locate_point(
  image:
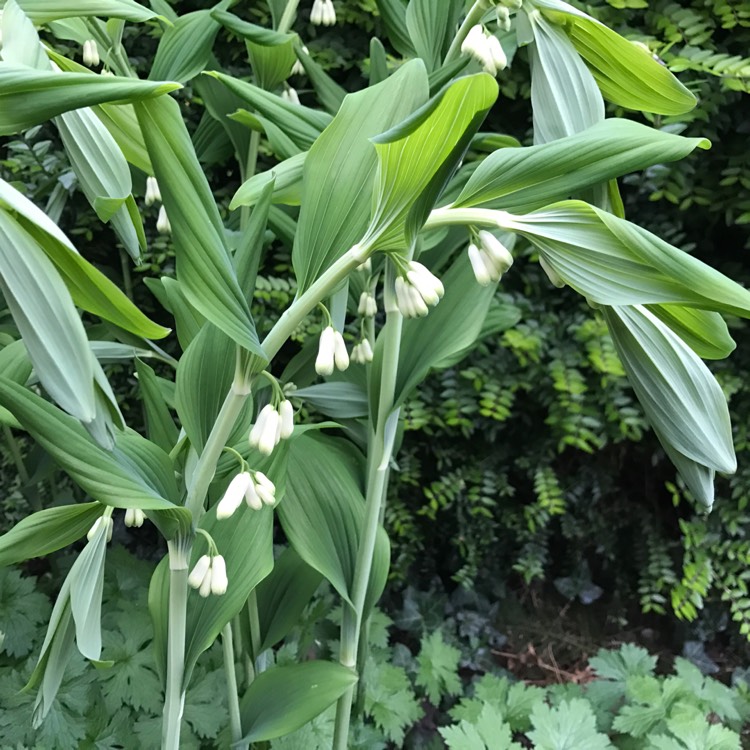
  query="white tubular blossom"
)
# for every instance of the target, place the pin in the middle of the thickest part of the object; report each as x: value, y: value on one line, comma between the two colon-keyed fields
x: 475, y: 45
x: 200, y: 572
x: 368, y: 307
x: 429, y: 286
x: 367, y: 350
x: 357, y: 355
x: 365, y: 267
x: 205, y: 587
x: 251, y: 497
x: 552, y: 275
x: 323, y: 13
x: 234, y: 495
x: 340, y: 354
x: 97, y: 525
x: 90, y: 54
x: 265, y: 432
x: 219, y: 580
x: 362, y: 352
x: 162, y: 222
x: 287, y: 418
x: 496, y: 251
x: 324, y: 363
x: 134, y: 517
x: 497, y: 53
x: 298, y: 69
x: 153, y: 194
x: 479, y: 265
x: 290, y: 95
x: 503, y: 17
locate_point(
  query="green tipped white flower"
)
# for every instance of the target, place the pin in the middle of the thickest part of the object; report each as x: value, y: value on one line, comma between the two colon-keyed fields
x: 340, y: 354
x: 552, y: 275
x: 426, y: 283
x: 290, y: 95
x: 331, y: 352
x: 162, y: 222
x: 323, y: 13
x: 265, y: 488
x: 90, y: 54
x: 485, y: 49
x: 368, y: 307
x: 234, y: 495
x: 480, y: 264
x: 365, y: 267
x: 298, y: 69
x: 102, y: 520
x: 153, y: 194
x: 199, y: 572
x: 134, y: 517
x: 219, y: 581
x: 503, y: 17
x: 362, y: 352
x: 497, y: 53
x: 265, y: 433
x: 498, y: 255
x: 286, y: 412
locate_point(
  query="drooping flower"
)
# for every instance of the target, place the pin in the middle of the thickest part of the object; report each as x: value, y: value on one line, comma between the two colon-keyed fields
x: 290, y: 95
x: 324, y: 363
x: 368, y: 306
x: 503, y: 17
x: 209, y: 576
x: 286, y: 411
x: 323, y: 13
x: 90, y: 53
x: 265, y: 433
x: 153, y: 194
x: 107, y: 521
x: 362, y: 352
x: 265, y: 488
x: 199, y: 572
x: 234, y: 495
x: 340, y: 354
x: 480, y: 264
x: 298, y: 69
x: 134, y: 517
x: 485, y: 48
x: 219, y: 581
x: 162, y: 222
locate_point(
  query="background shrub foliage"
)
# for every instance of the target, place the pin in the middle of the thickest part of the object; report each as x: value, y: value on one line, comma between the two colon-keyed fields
x: 532, y: 480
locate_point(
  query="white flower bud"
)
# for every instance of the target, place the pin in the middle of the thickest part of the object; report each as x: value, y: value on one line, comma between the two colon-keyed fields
x: 266, y: 495
x: 478, y: 265
x: 260, y: 425
x: 200, y: 572
x: 262, y: 479
x: 233, y: 496
x: 476, y: 45
x: 270, y: 435
x: 323, y: 13
x: 290, y: 95
x: 134, y: 517
x: 368, y: 307
x: 252, y: 499
x: 366, y: 350
x: 97, y: 525
x: 357, y: 356
x: 162, y: 222
x: 298, y: 69
x: 497, y: 53
x: 365, y: 267
x: 287, y: 418
x: 503, y: 17
x: 90, y: 53
x: 205, y: 587
x: 340, y: 354
x: 324, y: 363
x: 428, y: 285
x: 219, y: 580
x: 153, y: 194
x: 552, y: 275
x: 497, y: 252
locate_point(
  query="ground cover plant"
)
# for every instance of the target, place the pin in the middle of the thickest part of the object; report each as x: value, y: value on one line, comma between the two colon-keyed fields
x: 402, y: 217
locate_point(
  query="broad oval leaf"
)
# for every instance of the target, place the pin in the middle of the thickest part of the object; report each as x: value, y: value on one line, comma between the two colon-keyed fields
x: 627, y: 74
x: 705, y: 332
x: 338, y: 172
x: 47, y: 531
x: 524, y: 179
x: 283, y: 699
x: 29, y: 97
x: 43, y: 11
x: 613, y: 262
x: 431, y: 27
x: 287, y: 184
x: 204, y: 267
x: 681, y: 398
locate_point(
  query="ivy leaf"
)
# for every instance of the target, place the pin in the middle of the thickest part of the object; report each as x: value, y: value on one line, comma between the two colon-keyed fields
x: 23, y: 610
x: 390, y: 700
x: 437, y: 669
x: 569, y: 726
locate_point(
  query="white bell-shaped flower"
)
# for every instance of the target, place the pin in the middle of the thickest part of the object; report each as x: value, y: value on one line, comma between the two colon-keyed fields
x: 153, y: 194
x: 323, y: 13
x: 162, y: 222
x: 340, y: 354
x: 234, y: 495
x: 134, y: 517
x: 90, y: 53
x: 286, y: 411
x: 199, y: 572
x: 265, y: 433
x: 324, y: 364
x: 428, y: 285
x: 219, y: 581
x: 290, y: 95
x: 496, y: 251
x: 368, y: 306
x: 480, y: 265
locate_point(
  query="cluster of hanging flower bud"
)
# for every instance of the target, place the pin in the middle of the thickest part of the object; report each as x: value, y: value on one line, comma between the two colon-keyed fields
x: 331, y: 352
x: 134, y: 517
x: 485, y: 48
x: 209, y: 576
x: 490, y: 260
x: 368, y: 307
x: 362, y: 352
x: 419, y: 291
x: 290, y: 95
x: 272, y: 426
x: 105, y: 520
x: 90, y: 54
x: 255, y: 488
x: 323, y: 13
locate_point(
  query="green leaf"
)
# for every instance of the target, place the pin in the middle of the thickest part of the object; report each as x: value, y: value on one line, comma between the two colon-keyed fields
x: 251, y: 32
x: 204, y: 376
x: 489, y: 732
x: 418, y: 156
x: 287, y: 184
x: 114, y: 478
x: 524, y: 179
x: 283, y: 595
x: 706, y: 333
x: 161, y: 427
x: 330, y: 94
x: 43, y: 11
x: 393, y: 15
x: 682, y: 400
x: 626, y: 73
x: 431, y: 26
x: 29, y: 97
x: 204, y: 267
x: 47, y: 320
x: 283, y: 699
x: 564, y: 95
x: 437, y: 668
x: 338, y: 171
x: 188, y: 321
x: 390, y: 700
x: 250, y: 243
x: 614, y: 262
x: 47, y: 531
x: 569, y: 726
x: 336, y: 399
x: 185, y: 48
x: 323, y: 512
x: 301, y: 124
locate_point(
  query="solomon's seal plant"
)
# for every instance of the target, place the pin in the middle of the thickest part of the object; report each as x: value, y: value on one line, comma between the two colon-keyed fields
x: 376, y: 195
